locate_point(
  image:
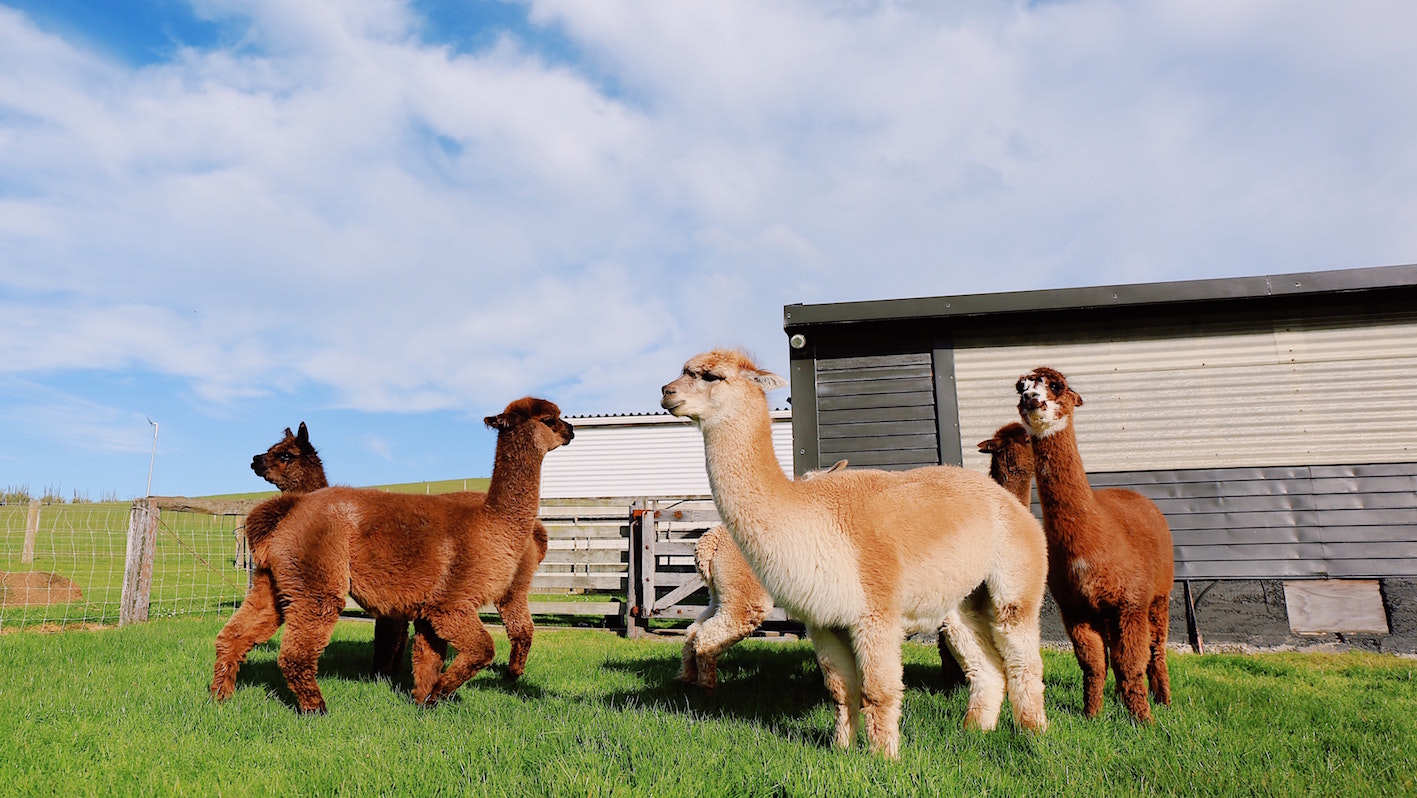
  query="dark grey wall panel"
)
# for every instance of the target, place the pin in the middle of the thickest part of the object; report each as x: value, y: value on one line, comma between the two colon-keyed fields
x: 876, y: 410
x: 1286, y: 522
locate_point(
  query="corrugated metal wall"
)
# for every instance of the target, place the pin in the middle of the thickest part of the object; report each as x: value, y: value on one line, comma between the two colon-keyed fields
x: 639, y: 456
x: 1297, y: 392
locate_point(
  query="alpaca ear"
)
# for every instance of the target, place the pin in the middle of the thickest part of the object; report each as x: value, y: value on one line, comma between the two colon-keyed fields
x: 303, y: 436
x: 768, y: 381
x: 288, y: 433
x: 497, y: 421
x: 1077, y: 398
x: 988, y: 446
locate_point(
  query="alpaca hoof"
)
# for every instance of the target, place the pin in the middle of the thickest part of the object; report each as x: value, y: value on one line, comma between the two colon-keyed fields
x: 974, y: 719
x: 315, y: 709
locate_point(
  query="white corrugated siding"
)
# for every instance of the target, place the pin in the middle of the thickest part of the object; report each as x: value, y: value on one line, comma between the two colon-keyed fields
x: 640, y: 456
x: 1291, y: 395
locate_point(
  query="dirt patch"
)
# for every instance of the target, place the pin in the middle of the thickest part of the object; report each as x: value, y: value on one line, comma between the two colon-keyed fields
x: 36, y: 589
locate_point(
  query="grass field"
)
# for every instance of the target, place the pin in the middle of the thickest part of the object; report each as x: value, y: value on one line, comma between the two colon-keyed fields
x: 124, y: 711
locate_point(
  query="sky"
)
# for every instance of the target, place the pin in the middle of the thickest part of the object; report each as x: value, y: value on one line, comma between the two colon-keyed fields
x: 220, y: 218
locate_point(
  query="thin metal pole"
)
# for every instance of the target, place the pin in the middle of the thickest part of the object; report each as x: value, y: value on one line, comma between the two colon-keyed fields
x: 152, y: 459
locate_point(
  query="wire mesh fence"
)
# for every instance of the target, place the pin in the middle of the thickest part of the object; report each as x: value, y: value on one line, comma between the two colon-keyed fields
x: 66, y: 568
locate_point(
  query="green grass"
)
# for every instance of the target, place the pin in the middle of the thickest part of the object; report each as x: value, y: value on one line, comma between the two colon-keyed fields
x: 124, y: 711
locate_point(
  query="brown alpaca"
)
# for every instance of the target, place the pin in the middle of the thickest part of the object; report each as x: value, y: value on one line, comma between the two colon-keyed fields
x: 862, y: 555
x: 1110, y: 563
x: 434, y: 560
x: 1011, y: 460
x: 738, y: 604
x: 293, y: 465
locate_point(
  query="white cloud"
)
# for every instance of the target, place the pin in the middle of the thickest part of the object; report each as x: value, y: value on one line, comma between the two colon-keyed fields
x: 328, y: 201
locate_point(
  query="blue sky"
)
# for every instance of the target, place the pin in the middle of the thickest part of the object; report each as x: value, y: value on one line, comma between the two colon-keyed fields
x: 388, y: 219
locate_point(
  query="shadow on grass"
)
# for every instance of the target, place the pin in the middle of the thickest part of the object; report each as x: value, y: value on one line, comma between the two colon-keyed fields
x: 352, y: 661
x: 778, y: 689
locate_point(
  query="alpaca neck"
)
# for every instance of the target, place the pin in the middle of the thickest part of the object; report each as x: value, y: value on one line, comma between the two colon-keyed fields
x: 515, y: 489
x: 1019, y: 483
x: 316, y: 481
x: 743, y: 471
x: 1063, y: 490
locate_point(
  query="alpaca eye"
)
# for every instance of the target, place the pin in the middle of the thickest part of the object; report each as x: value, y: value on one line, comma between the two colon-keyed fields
x: 1056, y: 387
x: 711, y: 377
x: 285, y: 457
x: 1019, y: 386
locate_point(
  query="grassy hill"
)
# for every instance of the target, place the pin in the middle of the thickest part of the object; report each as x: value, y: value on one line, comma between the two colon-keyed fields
x: 440, y: 486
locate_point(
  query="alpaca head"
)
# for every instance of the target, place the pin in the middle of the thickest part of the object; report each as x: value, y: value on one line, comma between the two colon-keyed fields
x: 537, y: 416
x: 292, y: 464
x: 1010, y: 451
x: 1045, y: 402
x: 715, y: 383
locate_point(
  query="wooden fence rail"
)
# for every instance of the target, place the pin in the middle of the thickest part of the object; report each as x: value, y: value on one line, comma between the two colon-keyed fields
x: 619, y: 562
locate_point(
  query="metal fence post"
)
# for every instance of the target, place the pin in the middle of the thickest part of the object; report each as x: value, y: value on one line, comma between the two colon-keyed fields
x: 31, y: 531
x: 138, y: 562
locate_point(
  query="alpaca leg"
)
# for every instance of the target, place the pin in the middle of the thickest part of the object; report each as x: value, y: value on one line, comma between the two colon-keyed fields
x: 253, y: 623
x: 1091, y: 654
x: 515, y: 608
x: 1156, y: 674
x: 983, y: 670
x: 882, y: 685
x: 1017, y: 636
x: 950, y: 671
x: 688, y: 664
x: 843, y: 682
x: 1131, y: 650
x: 390, y: 642
x: 429, y: 652
x: 733, y: 622
x: 465, y: 632
x: 516, y: 618
x: 309, y: 622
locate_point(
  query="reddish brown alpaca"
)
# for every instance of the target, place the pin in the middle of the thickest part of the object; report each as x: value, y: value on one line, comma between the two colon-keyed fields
x: 1110, y: 564
x: 293, y: 465
x: 433, y: 559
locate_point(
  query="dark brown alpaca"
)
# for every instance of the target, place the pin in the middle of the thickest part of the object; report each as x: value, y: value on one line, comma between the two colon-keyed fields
x: 1011, y: 460
x: 1110, y: 563
x: 434, y: 560
x: 293, y: 465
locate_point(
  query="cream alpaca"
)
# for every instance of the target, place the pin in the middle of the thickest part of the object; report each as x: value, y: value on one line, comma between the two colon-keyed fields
x: 738, y: 604
x: 862, y: 556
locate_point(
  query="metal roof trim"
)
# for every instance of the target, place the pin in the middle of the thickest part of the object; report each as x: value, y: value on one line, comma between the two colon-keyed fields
x: 650, y: 419
x: 1091, y: 297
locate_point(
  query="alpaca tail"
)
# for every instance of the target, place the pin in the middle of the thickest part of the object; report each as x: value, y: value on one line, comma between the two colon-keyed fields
x: 262, y: 521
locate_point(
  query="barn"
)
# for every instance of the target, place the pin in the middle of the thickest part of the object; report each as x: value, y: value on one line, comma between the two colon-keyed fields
x: 637, y: 456
x: 1270, y: 418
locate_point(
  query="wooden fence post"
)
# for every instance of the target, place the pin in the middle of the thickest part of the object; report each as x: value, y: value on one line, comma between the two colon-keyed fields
x: 638, y: 581
x: 138, y: 563
x: 31, y: 531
